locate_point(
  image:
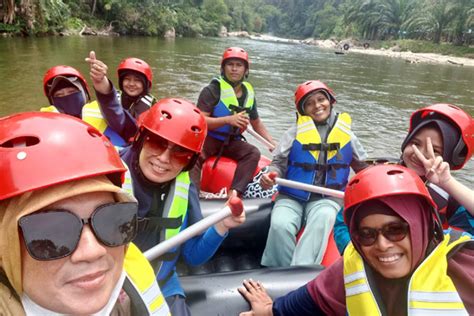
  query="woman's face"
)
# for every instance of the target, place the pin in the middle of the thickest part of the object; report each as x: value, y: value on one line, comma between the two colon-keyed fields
x: 132, y: 85
x: 392, y: 259
x: 420, y: 140
x: 317, y: 107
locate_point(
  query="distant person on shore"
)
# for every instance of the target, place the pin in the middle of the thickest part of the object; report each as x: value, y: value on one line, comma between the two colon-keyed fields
x: 400, y: 261
x: 440, y: 138
x: 67, y: 92
x: 66, y: 226
x: 229, y: 106
x: 319, y: 149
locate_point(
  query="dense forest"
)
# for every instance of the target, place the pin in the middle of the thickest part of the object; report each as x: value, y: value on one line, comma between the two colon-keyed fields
x: 434, y: 20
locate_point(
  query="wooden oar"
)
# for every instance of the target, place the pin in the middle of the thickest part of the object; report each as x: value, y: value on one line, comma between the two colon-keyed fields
x: 235, y: 207
x: 262, y: 140
x: 306, y: 187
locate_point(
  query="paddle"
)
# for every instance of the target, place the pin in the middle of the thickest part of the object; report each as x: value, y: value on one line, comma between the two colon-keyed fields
x: 305, y: 187
x: 262, y: 140
x: 235, y: 207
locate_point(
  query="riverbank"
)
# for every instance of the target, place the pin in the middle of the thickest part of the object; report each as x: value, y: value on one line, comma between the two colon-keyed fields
x: 351, y: 46
x: 415, y: 58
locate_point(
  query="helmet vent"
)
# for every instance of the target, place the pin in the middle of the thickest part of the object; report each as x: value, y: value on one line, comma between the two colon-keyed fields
x: 394, y: 172
x: 355, y: 181
x: 195, y: 129
x: 165, y: 114
x: 93, y: 132
x: 23, y: 141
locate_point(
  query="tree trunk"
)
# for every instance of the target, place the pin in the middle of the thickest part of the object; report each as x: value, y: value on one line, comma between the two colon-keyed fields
x: 9, y: 14
x: 94, y: 4
x: 437, y: 35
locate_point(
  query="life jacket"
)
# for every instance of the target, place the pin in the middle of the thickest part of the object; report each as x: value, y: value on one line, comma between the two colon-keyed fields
x: 229, y: 105
x: 172, y: 221
x: 452, y: 214
x: 92, y: 115
x: 139, y: 106
x: 141, y: 286
x: 305, y: 157
x: 431, y: 291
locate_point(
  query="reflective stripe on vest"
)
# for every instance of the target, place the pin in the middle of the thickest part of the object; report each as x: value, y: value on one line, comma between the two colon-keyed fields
x: 228, y: 100
x: 127, y: 184
x: 176, y: 206
x: 142, y: 277
x: 303, y: 162
x: 431, y: 291
x: 91, y: 114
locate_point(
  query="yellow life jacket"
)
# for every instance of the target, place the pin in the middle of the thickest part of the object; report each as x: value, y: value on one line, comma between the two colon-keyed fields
x: 141, y: 285
x: 174, y: 213
x: 229, y: 105
x: 431, y: 291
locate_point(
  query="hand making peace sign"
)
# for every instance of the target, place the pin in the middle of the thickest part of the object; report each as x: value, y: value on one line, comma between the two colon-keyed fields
x: 436, y: 169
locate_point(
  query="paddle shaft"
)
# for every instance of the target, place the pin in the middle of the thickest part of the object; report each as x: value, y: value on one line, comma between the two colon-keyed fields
x: 191, y: 231
x: 262, y: 140
x: 309, y: 188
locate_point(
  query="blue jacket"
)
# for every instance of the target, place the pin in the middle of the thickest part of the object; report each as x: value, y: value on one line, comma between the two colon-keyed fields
x: 196, y: 250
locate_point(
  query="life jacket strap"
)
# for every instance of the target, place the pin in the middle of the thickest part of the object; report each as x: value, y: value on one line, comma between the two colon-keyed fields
x: 153, y: 224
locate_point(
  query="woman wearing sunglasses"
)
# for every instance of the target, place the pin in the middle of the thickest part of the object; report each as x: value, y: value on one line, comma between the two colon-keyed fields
x: 440, y: 138
x: 66, y: 225
x: 400, y: 262
x: 169, y: 139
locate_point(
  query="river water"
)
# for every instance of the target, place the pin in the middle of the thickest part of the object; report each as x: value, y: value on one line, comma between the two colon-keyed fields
x: 378, y: 92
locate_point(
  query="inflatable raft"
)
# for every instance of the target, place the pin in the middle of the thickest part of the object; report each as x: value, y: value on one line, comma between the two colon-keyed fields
x: 211, y: 289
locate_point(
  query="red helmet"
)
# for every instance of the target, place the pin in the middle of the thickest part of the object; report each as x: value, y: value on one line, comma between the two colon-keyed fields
x: 137, y: 65
x: 235, y: 52
x: 306, y: 88
x: 42, y: 149
x: 380, y: 181
x: 177, y: 120
x: 65, y: 71
x: 461, y: 120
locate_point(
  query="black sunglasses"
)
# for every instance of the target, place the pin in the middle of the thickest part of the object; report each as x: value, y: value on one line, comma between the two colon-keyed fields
x: 55, y: 234
x: 392, y: 231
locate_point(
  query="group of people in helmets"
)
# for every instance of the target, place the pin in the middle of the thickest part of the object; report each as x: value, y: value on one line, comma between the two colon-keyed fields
x: 87, y: 186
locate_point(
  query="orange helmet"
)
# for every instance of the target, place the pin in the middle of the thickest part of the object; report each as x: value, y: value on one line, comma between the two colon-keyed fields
x: 306, y: 88
x: 42, y: 149
x: 235, y: 52
x: 138, y: 65
x: 64, y: 71
x: 463, y: 148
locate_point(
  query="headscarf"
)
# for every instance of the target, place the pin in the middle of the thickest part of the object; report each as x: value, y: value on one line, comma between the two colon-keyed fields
x: 449, y: 133
x: 11, y: 210
x: 410, y: 208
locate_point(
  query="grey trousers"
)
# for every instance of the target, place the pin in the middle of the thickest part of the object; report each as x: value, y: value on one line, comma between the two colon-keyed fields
x: 288, y: 217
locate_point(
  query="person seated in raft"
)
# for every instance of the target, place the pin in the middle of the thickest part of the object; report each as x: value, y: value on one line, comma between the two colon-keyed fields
x: 67, y: 92
x: 318, y: 149
x: 400, y: 261
x: 66, y: 225
x: 440, y: 138
x: 229, y: 105
x: 169, y: 138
